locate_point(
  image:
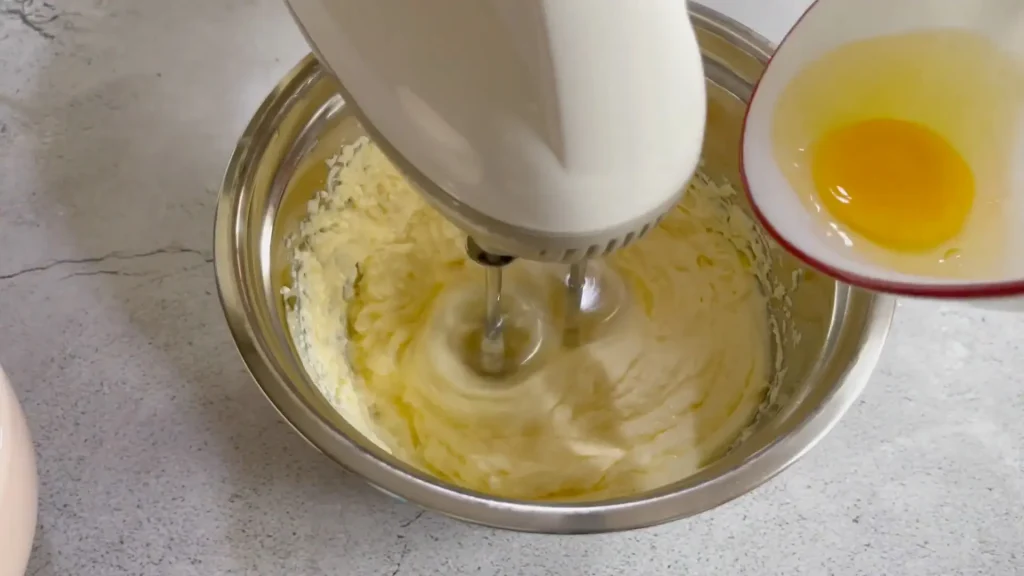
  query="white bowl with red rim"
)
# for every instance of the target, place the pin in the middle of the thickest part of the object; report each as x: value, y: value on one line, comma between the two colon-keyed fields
x: 802, y: 230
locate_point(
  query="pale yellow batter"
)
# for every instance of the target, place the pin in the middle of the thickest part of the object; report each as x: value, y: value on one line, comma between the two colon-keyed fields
x: 674, y: 379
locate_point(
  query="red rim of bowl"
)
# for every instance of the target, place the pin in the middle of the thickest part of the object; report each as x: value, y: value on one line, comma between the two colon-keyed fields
x: 946, y: 291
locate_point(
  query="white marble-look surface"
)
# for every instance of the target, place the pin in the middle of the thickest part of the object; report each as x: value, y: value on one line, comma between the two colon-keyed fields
x: 158, y: 456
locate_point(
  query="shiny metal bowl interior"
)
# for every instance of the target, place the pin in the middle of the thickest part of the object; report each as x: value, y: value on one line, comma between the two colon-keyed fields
x: 304, y: 121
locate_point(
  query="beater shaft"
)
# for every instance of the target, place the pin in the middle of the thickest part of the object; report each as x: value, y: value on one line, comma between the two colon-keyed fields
x: 574, y: 303
x: 492, y: 343
x: 492, y: 347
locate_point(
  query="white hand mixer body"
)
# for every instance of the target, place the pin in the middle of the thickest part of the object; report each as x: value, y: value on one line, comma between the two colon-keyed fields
x: 547, y: 129
x: 552, y: 130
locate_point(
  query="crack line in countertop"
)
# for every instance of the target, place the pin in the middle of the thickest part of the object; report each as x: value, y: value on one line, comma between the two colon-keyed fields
x: 34, y: 21
x: 117, y: 255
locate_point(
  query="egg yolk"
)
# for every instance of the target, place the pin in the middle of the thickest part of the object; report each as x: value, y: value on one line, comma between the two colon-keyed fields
x: 896, y: 183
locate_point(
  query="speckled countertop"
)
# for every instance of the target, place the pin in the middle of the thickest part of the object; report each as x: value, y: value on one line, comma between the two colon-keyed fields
x: 157, y: 455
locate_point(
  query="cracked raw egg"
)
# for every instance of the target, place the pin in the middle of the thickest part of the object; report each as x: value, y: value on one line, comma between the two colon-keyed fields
x: 897, y: 183
x: 883, y: 143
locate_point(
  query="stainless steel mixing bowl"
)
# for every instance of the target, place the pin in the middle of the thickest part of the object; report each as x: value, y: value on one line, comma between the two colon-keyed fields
x: 281, y: 154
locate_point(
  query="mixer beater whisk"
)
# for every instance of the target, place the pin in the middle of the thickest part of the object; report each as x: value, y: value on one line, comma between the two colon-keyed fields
x: 493, y: 344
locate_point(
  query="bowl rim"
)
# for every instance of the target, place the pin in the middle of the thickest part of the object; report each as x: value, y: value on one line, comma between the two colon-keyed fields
x: 938, y: 290
x: 691, y: 496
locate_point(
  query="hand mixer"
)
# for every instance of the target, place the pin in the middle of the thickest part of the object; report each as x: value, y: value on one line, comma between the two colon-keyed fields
x: 550, y: 130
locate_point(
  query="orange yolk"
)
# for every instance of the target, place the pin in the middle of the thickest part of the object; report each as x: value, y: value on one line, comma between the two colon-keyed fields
x: 896, y: 183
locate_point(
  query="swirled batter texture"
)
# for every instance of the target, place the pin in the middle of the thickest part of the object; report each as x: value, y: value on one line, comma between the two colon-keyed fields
x: 668, y: 384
